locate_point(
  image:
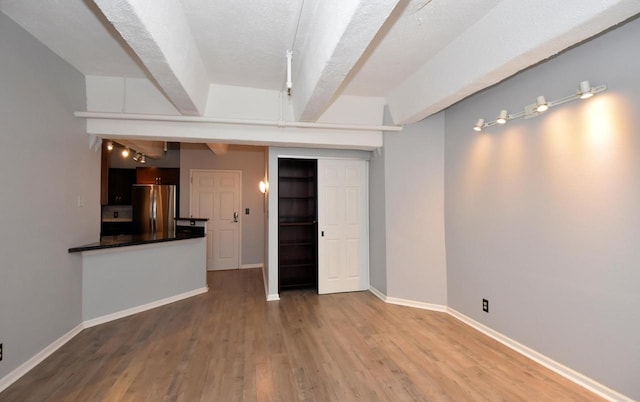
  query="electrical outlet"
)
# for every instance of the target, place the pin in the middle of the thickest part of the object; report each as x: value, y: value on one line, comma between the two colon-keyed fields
x: 0, y: 352
x: 485, y: 305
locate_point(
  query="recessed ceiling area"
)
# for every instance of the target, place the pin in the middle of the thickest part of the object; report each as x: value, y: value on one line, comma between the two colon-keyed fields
x: 420, y: 56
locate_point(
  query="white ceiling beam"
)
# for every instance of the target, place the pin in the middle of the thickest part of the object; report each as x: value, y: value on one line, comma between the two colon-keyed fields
x: 340, y: 33
x: 511, y: 37
x: 158, y: 32
x: 122, y: 130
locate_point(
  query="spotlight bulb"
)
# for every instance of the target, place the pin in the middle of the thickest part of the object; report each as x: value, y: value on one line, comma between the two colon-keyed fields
x: 585, y: 90
x: 502, y: 117
x: 479, y: 124
x: 542, y: 104
x: 125, y: 153
x: 109, y: 145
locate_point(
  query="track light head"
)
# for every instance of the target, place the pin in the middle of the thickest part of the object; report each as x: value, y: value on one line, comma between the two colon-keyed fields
x: 541, y: 104
x: 479, y: 125
x: 109, y: 145
x: 585, y: 91
x: 143, y: 159
x: 125, y: 153
x: 502, y: 117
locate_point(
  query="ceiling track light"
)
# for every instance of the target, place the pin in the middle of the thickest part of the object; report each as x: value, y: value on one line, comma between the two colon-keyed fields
x: 109, y: 145
x: 137, y: 156
x: 125, y: 153
x: 585, y: 91
x: 143, y: 159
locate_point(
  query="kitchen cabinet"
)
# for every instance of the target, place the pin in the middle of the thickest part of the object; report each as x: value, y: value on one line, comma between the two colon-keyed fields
x: 297, y: 223
x: 119, y: 186
x: 154, y: 175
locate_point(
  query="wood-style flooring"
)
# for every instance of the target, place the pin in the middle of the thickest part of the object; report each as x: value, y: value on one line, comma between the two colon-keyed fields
x: 231, y: 345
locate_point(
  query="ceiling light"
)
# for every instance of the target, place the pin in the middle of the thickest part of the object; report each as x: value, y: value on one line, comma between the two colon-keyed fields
x: 109, y: 145
x: 541, y: 104
x: 479, y: 125
x: 585, y: 91
x: 137, y: 156
x: 143, y: 159
x: 125, y: 153
x: 502, y: 117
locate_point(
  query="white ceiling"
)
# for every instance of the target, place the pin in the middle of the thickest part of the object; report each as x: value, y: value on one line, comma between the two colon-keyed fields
x: 415, y: 53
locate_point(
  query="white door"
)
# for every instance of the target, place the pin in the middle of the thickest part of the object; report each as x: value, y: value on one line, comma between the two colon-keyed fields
x: 343, y: 226
x: 216, y: 195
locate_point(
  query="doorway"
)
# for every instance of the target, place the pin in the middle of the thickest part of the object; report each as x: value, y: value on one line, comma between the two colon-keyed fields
x: 217, y: 196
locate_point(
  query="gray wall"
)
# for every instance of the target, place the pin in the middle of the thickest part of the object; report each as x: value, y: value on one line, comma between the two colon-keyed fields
x: 45, y: 164
x: 377, y: 223
x: 543, y: 215
x: 248, y: 159
x: 414, y: 186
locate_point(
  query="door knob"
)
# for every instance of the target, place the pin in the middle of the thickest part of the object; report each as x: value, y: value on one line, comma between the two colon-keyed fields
x: 235, y: 217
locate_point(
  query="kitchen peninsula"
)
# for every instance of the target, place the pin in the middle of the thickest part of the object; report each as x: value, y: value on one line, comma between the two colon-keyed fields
x: 127, y: 274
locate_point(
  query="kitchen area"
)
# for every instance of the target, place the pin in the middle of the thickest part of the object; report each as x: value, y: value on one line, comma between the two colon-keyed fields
x: 147, y: 255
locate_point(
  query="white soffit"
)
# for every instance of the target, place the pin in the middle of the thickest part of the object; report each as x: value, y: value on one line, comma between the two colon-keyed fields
x: 340, y: 33
x: 512, y: 36
x: 160, y: 35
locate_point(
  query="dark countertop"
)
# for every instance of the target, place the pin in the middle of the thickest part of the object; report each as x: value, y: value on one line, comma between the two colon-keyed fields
x: 133, y: 240
x: 192, y: 219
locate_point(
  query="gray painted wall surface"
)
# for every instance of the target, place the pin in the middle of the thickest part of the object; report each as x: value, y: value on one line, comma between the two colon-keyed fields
x: 141, y: 274
x: 414, y: 185
x: 248, y: 159
x: 543, y: 215
x: 377, y: 229
x: 45, y: 163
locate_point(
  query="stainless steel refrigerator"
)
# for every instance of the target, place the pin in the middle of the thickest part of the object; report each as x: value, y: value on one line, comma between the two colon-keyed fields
x: 154, y: 207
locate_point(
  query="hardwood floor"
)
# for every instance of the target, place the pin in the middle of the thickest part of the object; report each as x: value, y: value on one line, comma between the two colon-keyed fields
x: 231, y: 345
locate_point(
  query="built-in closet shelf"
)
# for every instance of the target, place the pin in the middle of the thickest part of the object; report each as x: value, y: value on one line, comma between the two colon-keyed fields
x: 297, y: 216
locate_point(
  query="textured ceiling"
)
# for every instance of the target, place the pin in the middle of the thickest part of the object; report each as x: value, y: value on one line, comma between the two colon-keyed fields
x: 413, y: 53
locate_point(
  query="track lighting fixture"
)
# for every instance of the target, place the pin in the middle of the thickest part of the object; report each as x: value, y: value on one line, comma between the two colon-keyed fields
x: 109, y: 145
x: 143, y: 159
x: 137, y: 156
x: 585, y: 90
x: 125, y: 153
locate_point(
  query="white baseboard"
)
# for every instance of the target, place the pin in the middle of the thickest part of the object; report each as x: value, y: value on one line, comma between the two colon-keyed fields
x: 421, y: 305
x: 25, y: 367
x: 273, y: 297
x: 545, y: 361
x: 144, y: 307
x: 406, y: 302
x: 249, y: 266
x: 378, y: 294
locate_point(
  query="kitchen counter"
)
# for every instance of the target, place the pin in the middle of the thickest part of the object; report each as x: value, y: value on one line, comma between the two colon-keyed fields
x: 132, y: 240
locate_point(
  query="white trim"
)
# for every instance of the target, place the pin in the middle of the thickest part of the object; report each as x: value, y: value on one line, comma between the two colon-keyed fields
x: 421, y: 305
x: 25, y: 367
x: 378, y: 293
x: 273, y: 297
x: 543, y: 360
x: 250, y: 266
x: 144, y: 307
